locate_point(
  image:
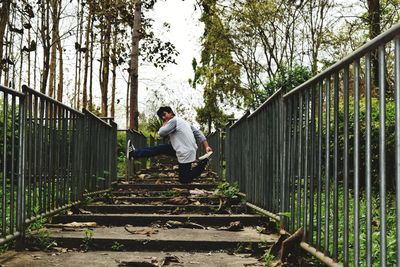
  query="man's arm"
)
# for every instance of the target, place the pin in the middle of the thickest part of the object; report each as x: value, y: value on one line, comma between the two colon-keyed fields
x: 201, y: 138
x: 167, y: 128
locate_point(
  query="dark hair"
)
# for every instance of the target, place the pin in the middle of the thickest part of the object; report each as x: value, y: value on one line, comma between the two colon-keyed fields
x: 161, y: 111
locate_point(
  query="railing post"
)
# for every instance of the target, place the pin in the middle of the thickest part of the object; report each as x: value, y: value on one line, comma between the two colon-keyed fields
x: 20, y: 226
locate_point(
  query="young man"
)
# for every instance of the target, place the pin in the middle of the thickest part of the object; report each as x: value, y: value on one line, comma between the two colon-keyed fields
x: 183, y: 145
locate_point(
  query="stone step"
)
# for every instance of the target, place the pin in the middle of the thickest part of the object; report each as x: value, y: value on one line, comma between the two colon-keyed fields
x: 147, y: 219
x: 165, y: 208
x: 147, y: 193
x: 160, y: 239
x: 108, y: 258
x: 165, y: 180
x: 158, y: 200
x: 165, y: 187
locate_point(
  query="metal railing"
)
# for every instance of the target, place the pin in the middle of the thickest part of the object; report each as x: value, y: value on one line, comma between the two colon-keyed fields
x: 326, y: 157
x: 51, y: 156
x: 215, y: 142
x: 138, y: 140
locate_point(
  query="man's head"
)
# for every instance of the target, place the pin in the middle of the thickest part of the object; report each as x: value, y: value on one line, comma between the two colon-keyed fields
x: 165, y: 113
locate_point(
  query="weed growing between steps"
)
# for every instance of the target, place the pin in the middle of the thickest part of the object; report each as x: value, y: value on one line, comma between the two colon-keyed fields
x: 87, y: 241
x: 116, y: 246
x: 39, y: 238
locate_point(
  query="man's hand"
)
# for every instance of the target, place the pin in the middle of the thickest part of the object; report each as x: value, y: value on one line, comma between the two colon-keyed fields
x: 209, y: 149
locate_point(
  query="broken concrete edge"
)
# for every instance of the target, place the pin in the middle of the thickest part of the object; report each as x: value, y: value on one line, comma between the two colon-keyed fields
x: 307, y: 247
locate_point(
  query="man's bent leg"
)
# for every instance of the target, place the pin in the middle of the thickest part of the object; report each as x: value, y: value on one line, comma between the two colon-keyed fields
x: 145, y: 152
x: 187, y: 174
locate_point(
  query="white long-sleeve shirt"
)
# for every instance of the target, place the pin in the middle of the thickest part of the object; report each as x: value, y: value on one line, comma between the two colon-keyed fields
x: 183, y: 138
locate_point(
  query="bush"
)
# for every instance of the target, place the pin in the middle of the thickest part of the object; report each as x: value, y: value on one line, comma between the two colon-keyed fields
x: 389, y: 144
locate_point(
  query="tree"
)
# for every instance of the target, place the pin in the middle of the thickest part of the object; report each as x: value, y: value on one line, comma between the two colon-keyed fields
x: 4, y: 16
x: 134, y: 69
x: 218, y: 72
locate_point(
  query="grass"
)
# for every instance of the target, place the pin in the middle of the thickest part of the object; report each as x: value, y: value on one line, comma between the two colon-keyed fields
x: 376, y: 223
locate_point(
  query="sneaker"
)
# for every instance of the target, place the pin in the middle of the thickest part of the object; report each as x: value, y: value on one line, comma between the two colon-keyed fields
x: 206, y: 156
x: 129, y: 148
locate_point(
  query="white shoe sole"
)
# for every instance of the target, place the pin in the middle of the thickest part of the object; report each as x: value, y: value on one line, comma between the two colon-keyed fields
x: 206, y: 156
x: 127, y: 149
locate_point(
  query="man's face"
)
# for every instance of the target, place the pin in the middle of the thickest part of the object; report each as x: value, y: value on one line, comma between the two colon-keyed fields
x: 166, y: 116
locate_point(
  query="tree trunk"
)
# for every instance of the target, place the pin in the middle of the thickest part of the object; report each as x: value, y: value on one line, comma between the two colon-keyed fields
x: 374, y: 20
x: 4, y: 15
x: 133, y: 114
x: 86, y: 67
x: 91, y: 68
x: 114, y: 70
x: 127, y: 100
x: 60, y: 87
x: 54, y: 37
x: 105, y: 69
x: 46, y: 44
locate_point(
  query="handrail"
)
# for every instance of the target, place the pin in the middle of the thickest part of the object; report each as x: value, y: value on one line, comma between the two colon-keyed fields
x: 266, y: 102
x: 11, y: 91
x: 87, y: 112
x: 245, y: 115
x: 48, y: 98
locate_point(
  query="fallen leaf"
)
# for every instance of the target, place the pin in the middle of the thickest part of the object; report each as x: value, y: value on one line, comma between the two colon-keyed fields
x: 233, y: 226
x: 168, y: 259
x: 144, y: 231
x: 178, y: 201
x: 137, y: 263
x: 72, y: 225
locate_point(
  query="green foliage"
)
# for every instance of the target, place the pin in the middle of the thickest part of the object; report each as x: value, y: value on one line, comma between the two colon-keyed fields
x: 38, y: 223
x: 121, y: 152
x: 4, y: 248
x: 217, y: 71
x: 87, y: 200
x: 225, y: 189
x: 43, y: 240
x: 87, y: 241
x: 117, y: 246
x: 390, y: 225
x: 268, y: 259
x: 389, y: 145
x: 287, y: 79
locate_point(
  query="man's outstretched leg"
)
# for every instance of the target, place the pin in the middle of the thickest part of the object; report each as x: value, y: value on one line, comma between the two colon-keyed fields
x: 144, y: 152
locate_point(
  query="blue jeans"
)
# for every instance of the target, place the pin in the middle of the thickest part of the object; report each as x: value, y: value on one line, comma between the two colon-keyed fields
x: 186, y: 172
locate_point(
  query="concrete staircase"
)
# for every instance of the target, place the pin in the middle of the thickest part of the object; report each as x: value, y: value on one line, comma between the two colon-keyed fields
x: 153, y: 218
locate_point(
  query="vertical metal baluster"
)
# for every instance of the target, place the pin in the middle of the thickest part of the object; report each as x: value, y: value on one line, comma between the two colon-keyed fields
x: 382, y: 153
x: 335, y: 167
x: 300, y: 163
x: 13, y: 159
x: 368, y: 160
x: 21, y: 210
x: 356, y: 161
x: 29, y: 149
x: 51, y: 154
x: 320, y: 118
x: 346, y: 166
x: 327, y: 165
x: 313, y: 164
x: 35, y: 153
x: 306, y: 164
x: 290, y: 163
x: 294, y: 165
x: 47, y: 156
x: 40, y: 165
x: 397, y: 96
x: 4, y: 185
